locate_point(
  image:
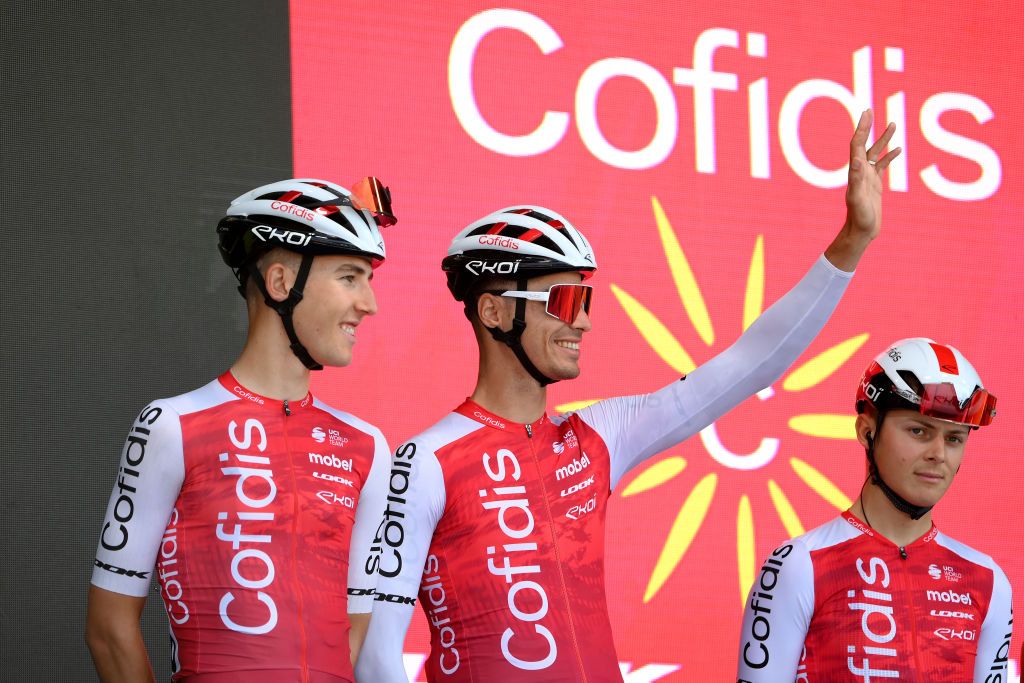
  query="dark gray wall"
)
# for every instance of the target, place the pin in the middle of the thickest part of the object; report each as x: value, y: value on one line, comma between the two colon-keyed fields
x: 125, y: 129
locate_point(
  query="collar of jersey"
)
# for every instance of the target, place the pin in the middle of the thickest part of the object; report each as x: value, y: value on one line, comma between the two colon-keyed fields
x: 235, y: 388
x: 868, y: 531
x: 475, y: 411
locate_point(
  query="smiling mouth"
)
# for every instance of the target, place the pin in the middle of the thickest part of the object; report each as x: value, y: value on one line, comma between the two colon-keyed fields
x: 571, y: 345
x: 349, y: 330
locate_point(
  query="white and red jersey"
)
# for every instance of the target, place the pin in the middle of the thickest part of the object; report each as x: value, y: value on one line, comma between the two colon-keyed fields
x: 498, y: 527
x: 844, y: 604
x: 257, y: 517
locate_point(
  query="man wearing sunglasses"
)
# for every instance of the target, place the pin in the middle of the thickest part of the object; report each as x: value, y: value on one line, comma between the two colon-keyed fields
x: 495, y: 517
x: 879, y: 593
x: 253, y: 503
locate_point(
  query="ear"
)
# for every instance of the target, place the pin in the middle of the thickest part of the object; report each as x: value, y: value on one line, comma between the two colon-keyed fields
x: 492, y: 310
x: 279, y: 280
x: 865, y: 427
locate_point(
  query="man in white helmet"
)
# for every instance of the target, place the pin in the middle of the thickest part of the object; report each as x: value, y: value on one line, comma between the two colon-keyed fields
x: 495, y: 517
x: 253, y: 503
x: 879, y: 593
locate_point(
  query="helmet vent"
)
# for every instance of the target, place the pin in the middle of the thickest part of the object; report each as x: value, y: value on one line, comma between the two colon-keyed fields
x: 912, y: 381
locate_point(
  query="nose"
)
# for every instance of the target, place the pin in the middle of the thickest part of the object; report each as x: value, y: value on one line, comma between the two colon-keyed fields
x: 936, y: 449
x: 582, y: 322
x: 367, y: 303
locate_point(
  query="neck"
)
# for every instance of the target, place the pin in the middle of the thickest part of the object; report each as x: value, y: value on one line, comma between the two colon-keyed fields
x: 875, y: 510
x: 267, y: 365
x: 505, y: 388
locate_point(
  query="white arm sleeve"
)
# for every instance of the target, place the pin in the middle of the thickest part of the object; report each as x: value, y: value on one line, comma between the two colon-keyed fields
x: 415, y: 503
x: 994, y: 639
x: 148, y: 482
x: 637, y: 427
x: 777, y: 616
x: 362, y: 578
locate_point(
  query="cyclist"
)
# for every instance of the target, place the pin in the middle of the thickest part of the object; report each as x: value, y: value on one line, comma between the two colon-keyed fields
x: 251, y: 501
x: 496, y: 513
x: 879, y: 593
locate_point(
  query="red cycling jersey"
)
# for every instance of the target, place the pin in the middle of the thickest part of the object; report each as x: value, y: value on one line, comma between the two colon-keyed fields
x: 499, y: 527
x: 844, y: 604
x: 245, y: 508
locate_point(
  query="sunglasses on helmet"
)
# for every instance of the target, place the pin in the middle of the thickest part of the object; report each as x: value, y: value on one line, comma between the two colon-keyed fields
x: 371, y: 194
x: 940, y: 401
x: 563, y: 301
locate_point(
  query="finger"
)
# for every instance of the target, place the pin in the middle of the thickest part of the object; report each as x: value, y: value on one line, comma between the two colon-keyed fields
x: 860, y: 135
x: 882, y: 142
x: 883, y: 163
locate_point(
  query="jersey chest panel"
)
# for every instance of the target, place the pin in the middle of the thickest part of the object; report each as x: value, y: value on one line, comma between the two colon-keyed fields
x: 515, y: 571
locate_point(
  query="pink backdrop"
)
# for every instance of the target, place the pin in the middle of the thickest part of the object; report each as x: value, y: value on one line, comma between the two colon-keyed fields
x: 701, y: 148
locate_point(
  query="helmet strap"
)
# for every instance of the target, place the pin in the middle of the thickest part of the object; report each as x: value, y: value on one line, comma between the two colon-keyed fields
x: 514, y: 339
x: 915, y: 512
x: 286, y: 308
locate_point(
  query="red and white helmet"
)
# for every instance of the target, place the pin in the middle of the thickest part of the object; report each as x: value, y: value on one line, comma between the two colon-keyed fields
x: 521, y: 241
x: 934, y: 379
x: 307, y: 216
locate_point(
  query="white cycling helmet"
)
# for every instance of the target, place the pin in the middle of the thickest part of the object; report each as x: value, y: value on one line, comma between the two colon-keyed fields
x: 934, y: 379
x: 517, y: 242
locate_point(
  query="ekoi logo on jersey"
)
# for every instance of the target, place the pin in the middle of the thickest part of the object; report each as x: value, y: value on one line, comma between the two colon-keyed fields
x: 254, y: 477
x: 516, y: 521
x: 876, y: 621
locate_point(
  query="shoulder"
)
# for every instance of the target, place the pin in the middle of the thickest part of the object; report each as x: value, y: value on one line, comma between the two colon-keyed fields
x: 205, y: 397
x: 965, y: 551
x: 350, y: 419
x: 974, y: 557
x: 831, y: 534
x: 449, y: 430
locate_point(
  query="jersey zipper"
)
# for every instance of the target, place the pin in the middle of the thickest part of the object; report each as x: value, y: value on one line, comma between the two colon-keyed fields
x: 558, y: 559
x: 902, y: 564
x: 297, y: 589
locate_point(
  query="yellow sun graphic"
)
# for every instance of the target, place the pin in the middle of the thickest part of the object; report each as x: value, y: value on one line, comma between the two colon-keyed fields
x: 811, y: 373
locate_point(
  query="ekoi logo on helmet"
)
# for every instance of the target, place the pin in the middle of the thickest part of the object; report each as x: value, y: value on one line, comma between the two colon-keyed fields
x: 492, y: 267
x: 295, y: 238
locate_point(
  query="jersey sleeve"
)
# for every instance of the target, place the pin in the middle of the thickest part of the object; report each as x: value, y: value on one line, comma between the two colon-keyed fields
x: 637, y: 427
x: 149, y: 478
x: 776, y: 617
x: 996, y: 630
x: 415, y: 503
x: 362, y: 578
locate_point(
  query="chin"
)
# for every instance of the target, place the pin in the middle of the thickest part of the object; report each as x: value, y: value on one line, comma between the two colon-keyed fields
x: 567, y: 373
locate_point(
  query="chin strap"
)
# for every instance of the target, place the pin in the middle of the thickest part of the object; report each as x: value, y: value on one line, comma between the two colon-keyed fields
x: 286, y: 308
x: 514, y: 339
x: 913, y: 511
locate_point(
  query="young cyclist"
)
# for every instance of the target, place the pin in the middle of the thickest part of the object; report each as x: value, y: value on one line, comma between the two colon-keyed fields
x: 253, y: 503
x: 879, y: 593
x: 496, y: 514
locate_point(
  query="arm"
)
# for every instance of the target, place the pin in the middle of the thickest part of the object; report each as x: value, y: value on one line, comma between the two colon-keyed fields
x: 362, y: 578
x: 114, y: 637
x: 416, y: 502
x: 996, y: 630
x: 148, y: 481
x: 777, y: 616
x: 638, y: 427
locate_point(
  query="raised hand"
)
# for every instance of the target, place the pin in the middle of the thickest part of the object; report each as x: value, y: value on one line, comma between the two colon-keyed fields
x: 863, y: 194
